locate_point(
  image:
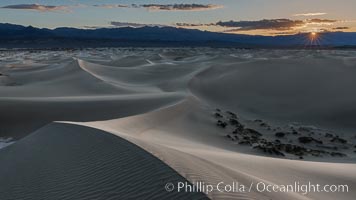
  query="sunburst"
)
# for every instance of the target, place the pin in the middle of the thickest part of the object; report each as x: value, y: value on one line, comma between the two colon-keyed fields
x: 314, y: 39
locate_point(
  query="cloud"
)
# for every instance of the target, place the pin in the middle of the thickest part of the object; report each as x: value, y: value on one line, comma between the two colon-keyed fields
x: 270, y: 24
x: 265, y: 24
x: 192, y: 24
x: 38, y: 7
x: 134, y: 25
x: 178, y: 7
x: 111, y: 6
x: 321, y: 20
x: 341, y: 28
x: 309, y: 14
x: 164, y: 7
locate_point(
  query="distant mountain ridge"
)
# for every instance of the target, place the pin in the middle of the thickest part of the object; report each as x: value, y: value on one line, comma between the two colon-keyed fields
x: 12, y: 35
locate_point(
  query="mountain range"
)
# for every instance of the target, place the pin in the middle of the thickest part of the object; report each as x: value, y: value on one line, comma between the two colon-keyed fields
x: 17, y: 36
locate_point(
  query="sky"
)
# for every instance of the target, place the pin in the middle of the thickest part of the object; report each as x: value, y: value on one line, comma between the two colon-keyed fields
x: 262, y: 17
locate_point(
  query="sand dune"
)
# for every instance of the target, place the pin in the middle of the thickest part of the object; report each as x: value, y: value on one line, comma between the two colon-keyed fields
x: 163, y: 101
x: 315, y: 91
x: 179, y: 136
x: 61, y: 161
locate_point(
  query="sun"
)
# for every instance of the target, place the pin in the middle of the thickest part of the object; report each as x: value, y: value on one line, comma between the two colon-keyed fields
x: 313, y: 36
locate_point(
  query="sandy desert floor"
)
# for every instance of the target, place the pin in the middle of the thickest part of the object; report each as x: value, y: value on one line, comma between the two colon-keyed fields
x: 123, y: 123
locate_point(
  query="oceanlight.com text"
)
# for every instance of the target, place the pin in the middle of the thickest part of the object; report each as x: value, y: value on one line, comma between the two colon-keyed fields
x: 236, y: 187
